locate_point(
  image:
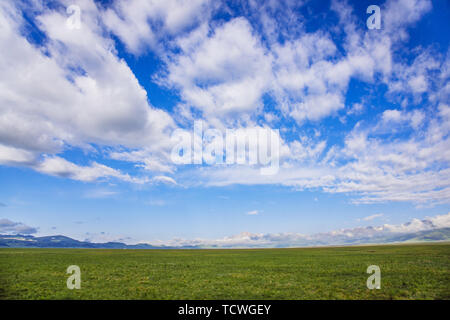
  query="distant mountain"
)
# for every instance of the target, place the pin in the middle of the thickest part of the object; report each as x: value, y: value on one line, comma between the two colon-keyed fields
x: 442, y: 234
x: 27, y: 241
x: 429, y: 235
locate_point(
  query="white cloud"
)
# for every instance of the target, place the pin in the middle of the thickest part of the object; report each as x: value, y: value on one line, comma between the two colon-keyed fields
x: 76, y: 94
x: 317, y: 107
x: 60, y: 167
x: 373, y: 216
x: 14, y: 156
x: 415, y: 118
x: 413, y: 169
x: 74, y: 91
x: 312, y: 75
x: 147, y: 158
x: 10, y: 227
x: 164, y: 179
x: 141, y: 24
x: 399, y: 14
x: 306, y: 85
x: 416, y: 78
x: 392, y: 115
x: 302, y: 177
x: 221, y: 72
x: 253, y: 212
x: 306, y: 149
x: 343, y: 236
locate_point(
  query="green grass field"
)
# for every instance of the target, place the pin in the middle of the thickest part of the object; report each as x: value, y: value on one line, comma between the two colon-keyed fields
x: 407, y: 272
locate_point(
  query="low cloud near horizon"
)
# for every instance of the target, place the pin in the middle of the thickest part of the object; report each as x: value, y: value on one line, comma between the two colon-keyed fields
x: 261, y: 240
x: 11, y: 227
x: 362, y: 234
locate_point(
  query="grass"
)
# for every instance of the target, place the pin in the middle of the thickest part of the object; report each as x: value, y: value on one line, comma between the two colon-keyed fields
x: 407, y: 272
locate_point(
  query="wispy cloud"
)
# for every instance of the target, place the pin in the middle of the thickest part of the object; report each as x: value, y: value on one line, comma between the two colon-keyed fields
x: 100, y: 193
x: 253, y: 212
x: 164, y: 180
x: 373, y: 216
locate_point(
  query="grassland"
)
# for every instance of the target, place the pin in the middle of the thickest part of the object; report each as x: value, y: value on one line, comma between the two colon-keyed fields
x: 407, y: 272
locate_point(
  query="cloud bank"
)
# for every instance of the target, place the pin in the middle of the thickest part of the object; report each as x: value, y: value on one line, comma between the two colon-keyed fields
x: 369, y: 234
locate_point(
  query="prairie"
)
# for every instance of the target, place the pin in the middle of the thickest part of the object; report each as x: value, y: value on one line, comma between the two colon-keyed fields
x: 413, y: 271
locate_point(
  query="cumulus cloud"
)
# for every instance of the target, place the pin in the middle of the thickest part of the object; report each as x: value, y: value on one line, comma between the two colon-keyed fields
x: 416, y: 78
x: 11, y: 155
x: 415, y: 117
x: 399, y: 14
x: 225, y: 70
x: 221, y: 72
x: 76, y: 92
x: 142, y: 24
x: 307, y: 85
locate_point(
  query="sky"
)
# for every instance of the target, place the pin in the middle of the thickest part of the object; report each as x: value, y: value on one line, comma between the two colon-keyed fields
x: 93, y: 94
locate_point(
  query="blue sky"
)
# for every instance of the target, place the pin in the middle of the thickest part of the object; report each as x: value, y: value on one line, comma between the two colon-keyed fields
x: 89, y: 107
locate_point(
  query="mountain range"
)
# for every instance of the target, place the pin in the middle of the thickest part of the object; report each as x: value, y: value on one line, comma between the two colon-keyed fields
x: 59, y: 241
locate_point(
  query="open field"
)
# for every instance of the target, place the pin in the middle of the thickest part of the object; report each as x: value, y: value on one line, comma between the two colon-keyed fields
x: 407, y: 272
